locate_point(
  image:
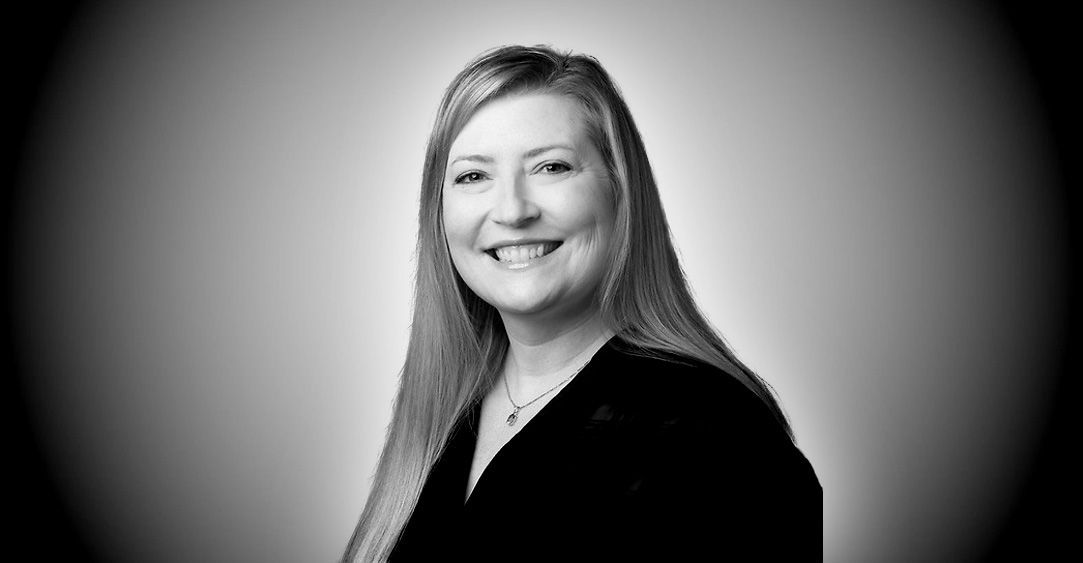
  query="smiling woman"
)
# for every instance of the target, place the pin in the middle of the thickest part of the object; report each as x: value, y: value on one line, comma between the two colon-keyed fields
x: 562, y: 394
x: 529, y: 226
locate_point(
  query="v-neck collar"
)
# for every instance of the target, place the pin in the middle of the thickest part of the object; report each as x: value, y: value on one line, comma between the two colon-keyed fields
x: 547, y: 418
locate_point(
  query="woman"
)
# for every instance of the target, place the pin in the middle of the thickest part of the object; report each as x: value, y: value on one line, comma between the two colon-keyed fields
x: 562, y: 396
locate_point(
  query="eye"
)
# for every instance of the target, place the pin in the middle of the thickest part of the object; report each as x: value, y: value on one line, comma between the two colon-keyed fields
x: 472, y: 177
x: 555, y: 168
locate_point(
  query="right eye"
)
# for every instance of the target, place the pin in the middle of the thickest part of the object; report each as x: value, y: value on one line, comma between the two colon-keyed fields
x: 472, y: 177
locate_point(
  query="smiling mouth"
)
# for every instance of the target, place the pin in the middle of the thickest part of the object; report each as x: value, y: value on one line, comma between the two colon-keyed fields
x: 522, y: 253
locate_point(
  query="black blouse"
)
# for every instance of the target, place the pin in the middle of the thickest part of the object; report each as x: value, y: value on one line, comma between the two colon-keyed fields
x: 636, y: 458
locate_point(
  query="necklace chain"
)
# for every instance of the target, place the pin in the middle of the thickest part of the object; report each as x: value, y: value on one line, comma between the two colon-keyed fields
x: 515, y: 413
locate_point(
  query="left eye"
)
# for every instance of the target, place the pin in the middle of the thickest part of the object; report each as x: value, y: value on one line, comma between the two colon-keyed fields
x: 555, y: 167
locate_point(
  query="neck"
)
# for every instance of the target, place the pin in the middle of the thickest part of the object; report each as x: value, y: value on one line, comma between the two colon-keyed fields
x: 544, y: 351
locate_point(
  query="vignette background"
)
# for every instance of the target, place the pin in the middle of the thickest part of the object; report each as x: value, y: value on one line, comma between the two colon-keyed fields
x: 215, y: 214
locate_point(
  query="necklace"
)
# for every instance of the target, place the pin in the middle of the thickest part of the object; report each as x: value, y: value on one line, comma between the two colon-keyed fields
x: 514, y: 416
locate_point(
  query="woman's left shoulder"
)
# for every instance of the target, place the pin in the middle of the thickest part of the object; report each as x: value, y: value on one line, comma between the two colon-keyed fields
x: 689, y: 393
x: 717, y: 458
x: 690, y: 410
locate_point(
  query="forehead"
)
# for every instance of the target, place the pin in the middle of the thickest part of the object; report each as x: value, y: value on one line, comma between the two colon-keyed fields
x: 525, y: 121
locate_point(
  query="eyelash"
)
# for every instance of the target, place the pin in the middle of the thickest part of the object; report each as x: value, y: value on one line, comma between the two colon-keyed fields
x: 567, y: 168
x: 461, y: 178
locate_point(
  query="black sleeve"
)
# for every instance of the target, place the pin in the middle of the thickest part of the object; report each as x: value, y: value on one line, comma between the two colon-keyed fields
x: 729, y: 485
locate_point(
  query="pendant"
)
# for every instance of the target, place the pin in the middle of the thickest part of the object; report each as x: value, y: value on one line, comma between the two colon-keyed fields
x: 513, y: 417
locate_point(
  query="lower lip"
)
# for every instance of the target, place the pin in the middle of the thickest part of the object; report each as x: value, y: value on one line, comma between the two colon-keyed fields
x: 519, y: 266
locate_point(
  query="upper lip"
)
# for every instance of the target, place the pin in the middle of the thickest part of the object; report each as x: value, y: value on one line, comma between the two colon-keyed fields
x: 519, y: 242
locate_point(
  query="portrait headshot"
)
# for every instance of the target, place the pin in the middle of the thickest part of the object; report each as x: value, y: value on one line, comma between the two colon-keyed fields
x: 583, y: 281
x: 559, y: 374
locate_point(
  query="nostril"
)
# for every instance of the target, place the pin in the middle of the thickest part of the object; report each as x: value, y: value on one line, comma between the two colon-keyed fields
x: 515, y: 221
x: 513, y: 209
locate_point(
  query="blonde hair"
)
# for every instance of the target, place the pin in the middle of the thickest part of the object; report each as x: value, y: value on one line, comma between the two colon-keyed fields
x: 457, y: 341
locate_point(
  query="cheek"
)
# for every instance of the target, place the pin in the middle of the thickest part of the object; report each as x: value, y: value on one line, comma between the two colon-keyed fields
x: 607, y: 217
x: 607, y: 200
x: 596, y: 215
x: 456, y: 223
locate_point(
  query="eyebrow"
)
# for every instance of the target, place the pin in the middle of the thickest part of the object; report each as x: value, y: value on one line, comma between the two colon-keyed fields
x: 528, y: 154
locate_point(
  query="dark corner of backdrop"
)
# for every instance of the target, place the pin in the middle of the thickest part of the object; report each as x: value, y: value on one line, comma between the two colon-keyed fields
x: 38, y: 524
x: 1037, y: 527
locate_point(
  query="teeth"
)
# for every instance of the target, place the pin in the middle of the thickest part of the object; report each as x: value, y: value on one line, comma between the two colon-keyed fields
x: 523, y: 253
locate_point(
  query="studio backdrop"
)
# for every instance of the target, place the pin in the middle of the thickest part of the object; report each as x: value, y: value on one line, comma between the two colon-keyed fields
x: 214, y: 236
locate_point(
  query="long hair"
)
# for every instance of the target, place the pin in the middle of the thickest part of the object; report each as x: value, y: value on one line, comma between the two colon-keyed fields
x: 457, y: 341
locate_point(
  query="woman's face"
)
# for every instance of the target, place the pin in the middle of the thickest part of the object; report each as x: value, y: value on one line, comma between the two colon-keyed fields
x: 527, y: 207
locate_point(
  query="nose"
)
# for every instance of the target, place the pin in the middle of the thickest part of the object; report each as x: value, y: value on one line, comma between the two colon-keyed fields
x: 513, y: 206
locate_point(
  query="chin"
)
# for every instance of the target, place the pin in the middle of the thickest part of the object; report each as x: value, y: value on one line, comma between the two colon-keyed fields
x: 520, y: 306
x: 522, y: 300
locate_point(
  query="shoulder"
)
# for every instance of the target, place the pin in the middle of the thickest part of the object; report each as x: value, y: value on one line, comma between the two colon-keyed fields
x: 682, y: 391
x: 694, y: 413
x: 722, y: 459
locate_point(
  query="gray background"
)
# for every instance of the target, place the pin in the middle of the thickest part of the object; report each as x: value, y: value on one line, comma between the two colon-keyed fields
x: 217, y: 250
